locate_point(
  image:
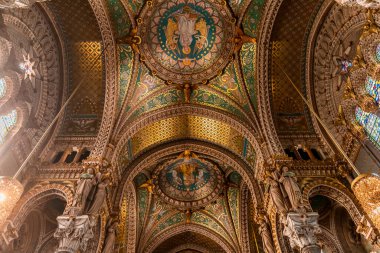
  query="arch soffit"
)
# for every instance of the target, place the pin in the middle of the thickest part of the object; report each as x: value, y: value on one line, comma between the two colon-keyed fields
x: 176, y: 111
x: 167, y: 234
x: 155, y: 154
x: 37, y: 195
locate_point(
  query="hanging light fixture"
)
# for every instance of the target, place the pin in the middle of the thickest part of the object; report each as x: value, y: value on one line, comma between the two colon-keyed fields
x: 362, y: 3
x: 366, y: 188
x: 10, y: 193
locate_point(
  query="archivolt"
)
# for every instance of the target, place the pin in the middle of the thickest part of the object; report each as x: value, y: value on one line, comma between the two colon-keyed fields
x: 153, y: 156
x: 35, y: 197
x: 336, y: 192
x: 265, y: 114
x: 163, y: 236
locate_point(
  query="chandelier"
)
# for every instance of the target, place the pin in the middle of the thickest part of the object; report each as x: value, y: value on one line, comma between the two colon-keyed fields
x: 366, y: 188
x: 362, y: 3
x: 10, y: 193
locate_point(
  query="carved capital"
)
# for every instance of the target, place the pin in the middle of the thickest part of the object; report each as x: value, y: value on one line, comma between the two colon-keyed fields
x: 73, y: 233
x: 301, y: 229
x: 9, y: 232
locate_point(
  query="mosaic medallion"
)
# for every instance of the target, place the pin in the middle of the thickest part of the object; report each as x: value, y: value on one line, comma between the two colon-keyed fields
x: 188, y: 181
x: 186, y: 41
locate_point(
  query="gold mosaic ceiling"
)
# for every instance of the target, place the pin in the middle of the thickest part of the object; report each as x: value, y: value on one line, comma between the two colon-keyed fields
x: 187, y: 126
x: 288, y: 42
x: 80, y: 34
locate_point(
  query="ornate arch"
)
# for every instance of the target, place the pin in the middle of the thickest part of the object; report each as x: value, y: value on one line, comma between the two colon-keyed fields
x: 269, y: 15
x: 331, y: 30
x: 112, y: 85
x: 163, y: 236
x: 37, y: 195
x: 12, y: 84
x: 153, y: 155
x: 327, y: 238
x: 335, y: 191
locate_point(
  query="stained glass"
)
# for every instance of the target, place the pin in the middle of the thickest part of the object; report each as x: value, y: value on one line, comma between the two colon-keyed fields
x: 7, y: 122
x: 3, y: 87
x: 378, y: 53
x: 371, y: 124
x: 372, y: 86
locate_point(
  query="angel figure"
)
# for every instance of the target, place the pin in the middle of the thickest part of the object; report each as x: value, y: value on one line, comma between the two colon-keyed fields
x: 287, y: 179
x: 342, y: 64
x: 132, y: 39
x: 85, y: 184
x: 100, y: 196
x: 276, y: 193
x: 148, y: 185
x: 187, y: 167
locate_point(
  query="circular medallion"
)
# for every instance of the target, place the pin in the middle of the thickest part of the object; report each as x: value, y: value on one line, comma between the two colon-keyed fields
x: 188, y: 182
x: 186, y: 42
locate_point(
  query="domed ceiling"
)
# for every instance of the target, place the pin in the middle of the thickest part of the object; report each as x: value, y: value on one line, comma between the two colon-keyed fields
x: 191, y: 194
x: 188, y: 182
x: 186, y: 41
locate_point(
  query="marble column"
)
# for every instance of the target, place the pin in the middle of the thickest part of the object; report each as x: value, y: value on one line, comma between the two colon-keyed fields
x: 301, y: 229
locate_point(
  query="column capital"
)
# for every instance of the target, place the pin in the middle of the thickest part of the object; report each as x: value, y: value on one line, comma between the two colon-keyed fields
x: 301, y: 229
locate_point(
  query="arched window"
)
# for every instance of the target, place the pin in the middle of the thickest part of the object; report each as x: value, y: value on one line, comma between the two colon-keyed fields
x: 7, y: 122
x: 3, y: 87
x: 372, y: 86
x: 371, y: 124
x: 378, y: 52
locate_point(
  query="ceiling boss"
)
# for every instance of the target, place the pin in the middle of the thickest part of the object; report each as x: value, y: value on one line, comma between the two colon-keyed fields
x: 186, y: 42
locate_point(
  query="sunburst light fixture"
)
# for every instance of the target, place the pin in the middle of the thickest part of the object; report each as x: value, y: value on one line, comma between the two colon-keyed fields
x: 363, y: 3
x: 10, y: 193
x: 366, y: 188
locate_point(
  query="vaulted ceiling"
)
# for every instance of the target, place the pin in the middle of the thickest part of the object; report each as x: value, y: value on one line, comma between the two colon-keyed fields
x: 161, y: 77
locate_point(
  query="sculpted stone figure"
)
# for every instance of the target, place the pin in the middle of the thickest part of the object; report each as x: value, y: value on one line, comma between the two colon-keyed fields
x: 100, y: 195
x: 291, y: 188
x: 266, y: 235
x: 276, y: 193
x: 85, y: 184
x: 109, y: 243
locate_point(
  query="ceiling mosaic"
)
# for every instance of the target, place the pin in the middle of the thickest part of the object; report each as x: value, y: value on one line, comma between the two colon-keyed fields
x: 188, y: 181
x: 186, y: 41
x: 288, y: 51
x: 252, y: 17
x: 187, y: 126
x: 188, y: 189
x: 192, y: 45
x: 81, y: 37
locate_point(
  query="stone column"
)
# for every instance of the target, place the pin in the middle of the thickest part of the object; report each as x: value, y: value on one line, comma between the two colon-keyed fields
x: 79, y: 153
x: 301, y: 229
x: 73, y: 233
